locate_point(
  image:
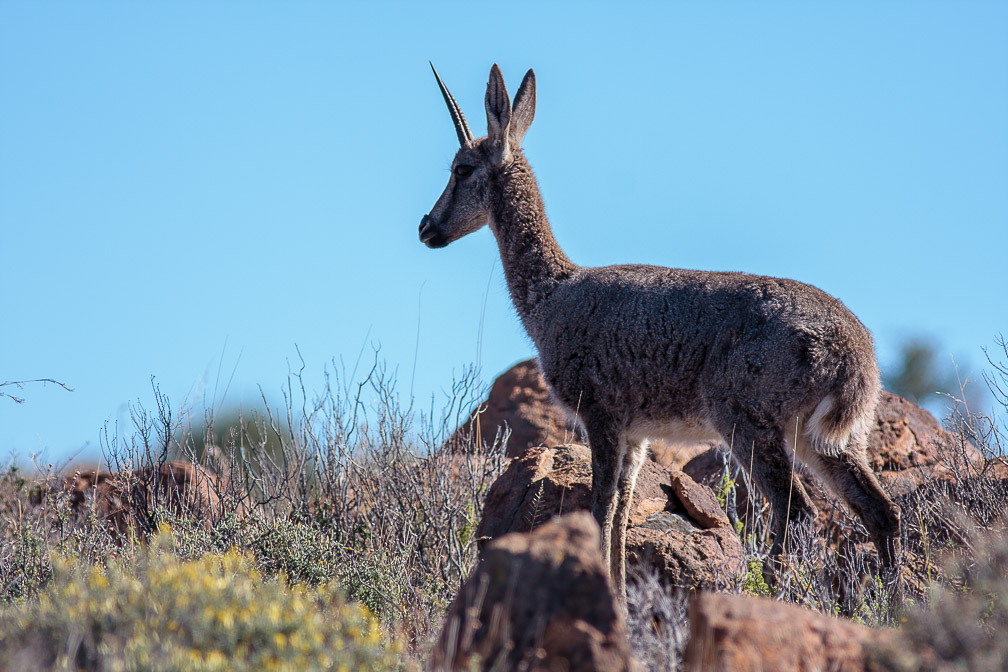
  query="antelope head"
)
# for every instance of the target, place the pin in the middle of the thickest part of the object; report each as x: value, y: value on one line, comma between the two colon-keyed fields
x: 465, y: 205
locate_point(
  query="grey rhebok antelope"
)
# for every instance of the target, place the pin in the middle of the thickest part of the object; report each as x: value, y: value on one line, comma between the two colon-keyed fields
x: 772, y: 368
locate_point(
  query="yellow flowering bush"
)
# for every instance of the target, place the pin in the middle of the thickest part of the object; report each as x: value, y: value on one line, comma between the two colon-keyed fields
x: 215, y: 612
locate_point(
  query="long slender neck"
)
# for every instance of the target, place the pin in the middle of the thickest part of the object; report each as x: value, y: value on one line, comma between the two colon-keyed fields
x: 533, y: 261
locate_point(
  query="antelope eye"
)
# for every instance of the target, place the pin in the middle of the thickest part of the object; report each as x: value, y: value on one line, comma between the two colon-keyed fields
x: 462, y: 170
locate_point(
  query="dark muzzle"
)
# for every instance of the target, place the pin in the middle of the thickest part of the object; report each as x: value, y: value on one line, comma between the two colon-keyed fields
x: 429, y: 235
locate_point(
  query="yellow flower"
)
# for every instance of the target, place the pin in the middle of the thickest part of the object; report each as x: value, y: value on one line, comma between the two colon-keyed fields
x: 225, y: 618
x: 96, y: 579
x: 215, y: 657
x: 374, y: 633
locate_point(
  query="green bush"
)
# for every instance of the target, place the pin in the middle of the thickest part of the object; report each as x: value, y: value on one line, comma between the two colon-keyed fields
x: 754, y: 583
x: 216, y: 612
x: 37, y: 520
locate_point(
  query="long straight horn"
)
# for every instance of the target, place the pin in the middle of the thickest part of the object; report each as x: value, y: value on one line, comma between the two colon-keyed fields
x: 465, y: 136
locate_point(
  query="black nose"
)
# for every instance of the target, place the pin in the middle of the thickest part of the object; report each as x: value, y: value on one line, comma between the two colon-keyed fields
x: 426, y: 229
x: 429, y: 235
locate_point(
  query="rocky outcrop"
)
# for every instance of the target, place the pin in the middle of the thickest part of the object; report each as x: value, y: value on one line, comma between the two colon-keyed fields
x: 908, y: 446
x: 676, y: 525
x: 904, y: 436
x: 126, y: 499
x: 519, y: 401
x: 747, y: 634
x: 538, y: 601
x: 676, y: 456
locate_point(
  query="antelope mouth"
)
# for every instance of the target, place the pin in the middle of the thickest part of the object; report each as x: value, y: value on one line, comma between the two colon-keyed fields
x: 429, y: 235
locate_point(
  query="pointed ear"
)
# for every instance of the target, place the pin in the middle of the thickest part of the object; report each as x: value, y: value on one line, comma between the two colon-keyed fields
x: 524, y: 109
x: 498, y: 109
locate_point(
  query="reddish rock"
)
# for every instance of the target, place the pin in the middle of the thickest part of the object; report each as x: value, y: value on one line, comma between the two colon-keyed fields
x: 126, y: 499
x: 675, y: 524
x: 908, y: 448
x: 676, y: 456
x: 538, y: 601
x: 520, y: 401
x: 747, y: 634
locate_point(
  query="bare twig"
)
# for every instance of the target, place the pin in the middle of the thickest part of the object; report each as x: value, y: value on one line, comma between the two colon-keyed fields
x: 19, y: 384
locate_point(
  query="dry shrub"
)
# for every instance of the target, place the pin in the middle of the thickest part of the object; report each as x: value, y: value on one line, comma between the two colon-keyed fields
x: 155, y: 611
x: 961, y: 627
x: 349, y: 489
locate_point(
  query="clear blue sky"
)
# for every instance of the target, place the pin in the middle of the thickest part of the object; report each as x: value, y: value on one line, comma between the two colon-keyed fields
x: 190, y: 186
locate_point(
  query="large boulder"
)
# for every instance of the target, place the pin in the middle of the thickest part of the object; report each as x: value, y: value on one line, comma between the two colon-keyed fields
x: 747, y: 634
x: 127, y: 499
x: 676, y: 525
x: 908, y: 446
x: 904, y: 436
x: 519, y: 401
x: 538, y: 601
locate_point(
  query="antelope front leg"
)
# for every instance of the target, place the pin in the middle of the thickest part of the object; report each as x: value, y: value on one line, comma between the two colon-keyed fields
x: 633, y: 457
x: 607, y: 449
